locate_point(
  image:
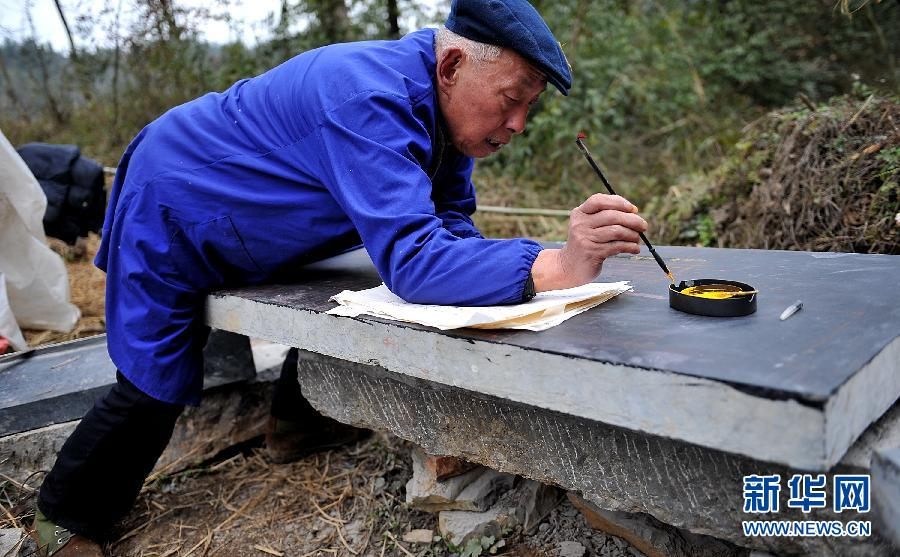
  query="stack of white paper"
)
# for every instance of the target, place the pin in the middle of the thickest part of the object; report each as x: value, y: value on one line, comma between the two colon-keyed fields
x: 546, y: 310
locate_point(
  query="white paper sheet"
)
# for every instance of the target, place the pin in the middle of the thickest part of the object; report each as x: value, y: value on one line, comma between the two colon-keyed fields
x: 546, y: 310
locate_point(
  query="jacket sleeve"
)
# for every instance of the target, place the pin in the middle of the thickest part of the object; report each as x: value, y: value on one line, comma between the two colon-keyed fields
x: 371, y: 152
x: 454, y: 198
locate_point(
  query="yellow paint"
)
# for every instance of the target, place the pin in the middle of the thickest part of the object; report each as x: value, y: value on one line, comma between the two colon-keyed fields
x: 714, y: 291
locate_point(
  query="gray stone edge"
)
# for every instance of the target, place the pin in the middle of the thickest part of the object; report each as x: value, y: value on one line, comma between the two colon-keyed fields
x: 877, y: 383
x: 700, y: 411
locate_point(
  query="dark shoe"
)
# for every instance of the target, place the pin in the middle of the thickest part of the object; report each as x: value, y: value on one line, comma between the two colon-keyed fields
x: 287, y: 441
x: 56, y: 541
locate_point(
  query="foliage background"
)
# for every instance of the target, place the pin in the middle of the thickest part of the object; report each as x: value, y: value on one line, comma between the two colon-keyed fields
x: 687, y: 104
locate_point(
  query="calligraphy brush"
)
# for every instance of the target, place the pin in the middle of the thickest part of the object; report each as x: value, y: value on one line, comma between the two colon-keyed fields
x: 590, y: 159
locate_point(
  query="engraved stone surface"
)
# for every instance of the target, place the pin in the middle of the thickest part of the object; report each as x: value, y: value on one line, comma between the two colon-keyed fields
x: 690, y: 487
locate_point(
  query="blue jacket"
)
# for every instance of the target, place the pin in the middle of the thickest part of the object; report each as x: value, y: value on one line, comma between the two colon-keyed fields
x: 337, y: 147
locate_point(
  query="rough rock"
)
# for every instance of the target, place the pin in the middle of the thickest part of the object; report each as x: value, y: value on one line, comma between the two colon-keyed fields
x: 419, y: 536
x: 484, y: 491
x: 652, y: 537
x: 524, y: 506
x: 9, y: 539
x: 886, y: 492
x: 445, y: 467
x: 570, y: 549
x: 425, y: 492
x: 690, y: 487
x: 228, y: 415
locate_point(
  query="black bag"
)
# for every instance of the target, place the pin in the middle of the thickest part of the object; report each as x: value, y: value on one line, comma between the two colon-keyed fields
x: 73, y: 185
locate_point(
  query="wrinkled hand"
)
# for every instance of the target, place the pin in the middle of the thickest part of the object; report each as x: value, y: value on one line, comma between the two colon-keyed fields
x: 601, y: 227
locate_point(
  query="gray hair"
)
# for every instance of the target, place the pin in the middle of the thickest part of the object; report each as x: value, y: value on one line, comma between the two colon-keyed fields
x: 479, y: 52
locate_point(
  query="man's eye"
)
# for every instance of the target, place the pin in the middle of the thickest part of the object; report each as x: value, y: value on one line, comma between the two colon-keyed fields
x: 511, y: 99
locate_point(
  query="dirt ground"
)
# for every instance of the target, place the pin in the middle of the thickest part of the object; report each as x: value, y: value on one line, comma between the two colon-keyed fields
x: 346, y: 502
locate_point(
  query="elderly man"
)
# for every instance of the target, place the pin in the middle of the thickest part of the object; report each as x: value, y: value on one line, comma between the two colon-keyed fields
x: 352, y: 144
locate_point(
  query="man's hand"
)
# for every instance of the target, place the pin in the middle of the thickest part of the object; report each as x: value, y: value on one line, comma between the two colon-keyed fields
x: 601, y: 227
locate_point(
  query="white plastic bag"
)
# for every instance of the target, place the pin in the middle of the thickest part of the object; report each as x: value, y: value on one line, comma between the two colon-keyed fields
x: 36, y: 282
x: 8, y: 326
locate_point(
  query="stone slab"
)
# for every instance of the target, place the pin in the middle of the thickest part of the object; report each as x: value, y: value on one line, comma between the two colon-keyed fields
x: 60, y: 382
x: 26, y: 456
x: 227, y: 416
x: 881, y: 435
x: 819, y: 378
x: 53, y: 384
x: 687, y: 486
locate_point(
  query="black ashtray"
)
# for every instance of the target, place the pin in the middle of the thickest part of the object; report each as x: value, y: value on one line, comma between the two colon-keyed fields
x: 735, y: 306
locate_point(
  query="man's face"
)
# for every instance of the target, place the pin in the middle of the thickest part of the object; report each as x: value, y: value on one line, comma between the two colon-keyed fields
x: 486, y: 103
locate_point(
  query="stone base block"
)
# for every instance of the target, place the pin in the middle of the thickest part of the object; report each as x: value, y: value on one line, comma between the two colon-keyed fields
x: 522, y: 507
x: 426, y: 493
x: 445, y: 467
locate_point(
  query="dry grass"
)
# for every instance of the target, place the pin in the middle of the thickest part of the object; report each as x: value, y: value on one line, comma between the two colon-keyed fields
x: 549, y: 229
x: 87, y: 285
x: 341, y: 502
x: 345, y: 502
x: 348, y: 502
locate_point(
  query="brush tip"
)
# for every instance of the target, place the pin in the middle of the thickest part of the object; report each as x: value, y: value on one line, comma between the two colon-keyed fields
x: 581, y: 135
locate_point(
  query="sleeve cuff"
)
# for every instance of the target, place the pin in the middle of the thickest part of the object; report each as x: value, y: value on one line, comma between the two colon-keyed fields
x: 529, y: 291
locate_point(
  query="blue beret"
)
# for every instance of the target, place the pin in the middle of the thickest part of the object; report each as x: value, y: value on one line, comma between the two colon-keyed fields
x: 513, y: 24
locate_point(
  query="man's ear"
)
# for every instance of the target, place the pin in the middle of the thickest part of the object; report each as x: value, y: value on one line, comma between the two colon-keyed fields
x: 448, y: 68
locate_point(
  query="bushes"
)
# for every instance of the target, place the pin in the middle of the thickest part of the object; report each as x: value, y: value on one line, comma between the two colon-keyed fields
x: 662, y: 88
x: 820, y: 180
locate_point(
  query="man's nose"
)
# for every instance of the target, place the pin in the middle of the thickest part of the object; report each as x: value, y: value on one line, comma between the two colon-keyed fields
x: 517, y: 120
